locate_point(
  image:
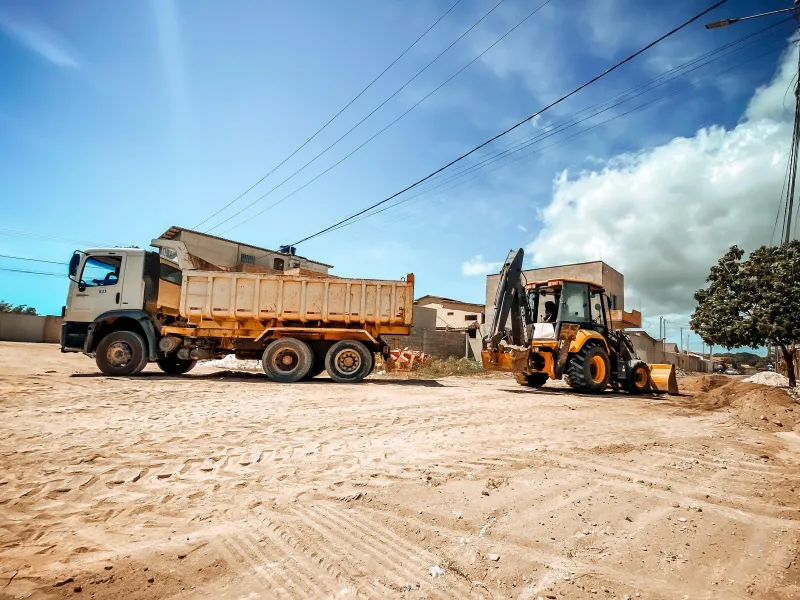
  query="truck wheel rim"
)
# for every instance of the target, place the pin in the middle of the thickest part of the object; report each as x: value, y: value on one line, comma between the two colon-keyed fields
x: 597, y: 369
x: 348, y: 361
x: 119, y: 354
x: 286, y: 360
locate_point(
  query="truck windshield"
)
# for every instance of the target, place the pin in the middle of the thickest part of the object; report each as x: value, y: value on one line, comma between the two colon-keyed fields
x: 101, y: 271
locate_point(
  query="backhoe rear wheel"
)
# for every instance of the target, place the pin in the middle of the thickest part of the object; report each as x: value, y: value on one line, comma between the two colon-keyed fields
x: 588, y: 370
x: 536, y: 380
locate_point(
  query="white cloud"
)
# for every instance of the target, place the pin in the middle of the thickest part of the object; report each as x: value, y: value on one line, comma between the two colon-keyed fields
x: 477, y: 266
x: 39, y: 39
x: 663, y: 216
x: 522, y: 228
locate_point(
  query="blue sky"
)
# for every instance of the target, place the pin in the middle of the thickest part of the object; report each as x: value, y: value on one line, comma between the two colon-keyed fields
x: 120, y: 120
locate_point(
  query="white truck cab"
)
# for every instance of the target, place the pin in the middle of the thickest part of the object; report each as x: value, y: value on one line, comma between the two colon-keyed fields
x: 112, y: 307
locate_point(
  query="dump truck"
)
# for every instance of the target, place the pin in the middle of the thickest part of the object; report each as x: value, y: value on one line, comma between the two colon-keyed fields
x: 562, y: 329
x: 127, y: 307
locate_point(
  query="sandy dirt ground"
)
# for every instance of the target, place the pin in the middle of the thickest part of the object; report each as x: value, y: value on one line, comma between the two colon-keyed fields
x: 223, y: 485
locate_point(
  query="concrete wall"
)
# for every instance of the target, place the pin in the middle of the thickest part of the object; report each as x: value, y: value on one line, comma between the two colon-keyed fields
x: 596, y: 272
x: 440, y: 343
x: 30, y: 328
x: 455, y: 316
x: 653, y: 351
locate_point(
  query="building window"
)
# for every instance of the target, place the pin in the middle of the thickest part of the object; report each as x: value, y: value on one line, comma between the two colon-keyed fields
x: 450, y: 314
x: 470, y: 317
x: 247, y: 259
x: 277, y: 264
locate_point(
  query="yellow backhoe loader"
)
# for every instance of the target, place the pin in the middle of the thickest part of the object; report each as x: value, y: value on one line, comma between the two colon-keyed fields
x: 561, y: 328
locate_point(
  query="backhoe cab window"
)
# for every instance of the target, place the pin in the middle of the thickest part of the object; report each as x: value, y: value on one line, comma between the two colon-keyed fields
x: 101, y: 271
x: 574, y: 303
x: 596, y: 303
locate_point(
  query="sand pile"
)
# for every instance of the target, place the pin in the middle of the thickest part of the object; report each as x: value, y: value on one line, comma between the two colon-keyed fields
x: 769, y: 378
x: 234, y: 364
x: 703, y: 383
x: 758, y: 405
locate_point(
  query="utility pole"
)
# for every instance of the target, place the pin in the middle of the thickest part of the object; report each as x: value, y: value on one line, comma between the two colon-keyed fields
x: 687, y: 341
x: 786, y: 235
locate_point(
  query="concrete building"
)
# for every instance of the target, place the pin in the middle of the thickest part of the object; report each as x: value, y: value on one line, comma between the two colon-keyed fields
x: 597, y: 272
x: 228, y: 254
x: 453, y: 314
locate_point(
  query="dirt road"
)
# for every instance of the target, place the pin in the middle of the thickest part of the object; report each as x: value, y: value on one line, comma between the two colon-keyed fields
x: 223, y: 485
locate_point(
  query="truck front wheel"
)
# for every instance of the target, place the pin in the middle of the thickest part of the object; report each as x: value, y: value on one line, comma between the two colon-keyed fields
x: 287, y: 360
x: 121, y: 353
x: 172, y: 365
x: 349, y: 361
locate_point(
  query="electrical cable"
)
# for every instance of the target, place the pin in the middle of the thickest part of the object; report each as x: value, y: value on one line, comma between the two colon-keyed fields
x: 334, y: 117
x: 520, y: 123
x: 48, y: 238
x: 349, y: 131
x: 52, y: 262
x: 436, y: 89
x: 556, y: 143
x: 33, y: 272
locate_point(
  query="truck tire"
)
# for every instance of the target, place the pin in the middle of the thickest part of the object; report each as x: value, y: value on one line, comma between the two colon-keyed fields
x: 588, y: 370
x: 348, y: 361
x: 121, y: 353
x: 172, y: 365
x: 287, y: 360
x: 638, y: 378
x: 536, y: 380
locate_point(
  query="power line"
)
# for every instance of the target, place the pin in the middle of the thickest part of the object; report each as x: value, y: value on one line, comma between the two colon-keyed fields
x: 353, y: 128
x: 39, y: 260
x: 334, y: 117
x: 522, y: 122
x: 428, y: 95
x: 48, y: 238
x: 26, y: 272
x: 647, y: 104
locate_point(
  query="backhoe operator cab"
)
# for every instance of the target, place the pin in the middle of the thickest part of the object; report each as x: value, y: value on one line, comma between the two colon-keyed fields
x: 561, y: 328
x: 112, y: 311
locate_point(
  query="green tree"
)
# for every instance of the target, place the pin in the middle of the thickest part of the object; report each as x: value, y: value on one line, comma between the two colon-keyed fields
x: 753, y: 302
x: 20, y: 309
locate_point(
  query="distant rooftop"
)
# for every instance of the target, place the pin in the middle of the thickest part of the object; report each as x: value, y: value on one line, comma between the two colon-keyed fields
x: 174, y: 231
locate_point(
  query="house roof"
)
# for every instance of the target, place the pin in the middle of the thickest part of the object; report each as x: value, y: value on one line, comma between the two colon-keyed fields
x: 174, y: 231
x: 450, y: 300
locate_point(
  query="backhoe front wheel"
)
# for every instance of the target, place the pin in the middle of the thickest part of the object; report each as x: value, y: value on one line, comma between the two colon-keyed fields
x: 638, y: 378
x: 588, y: 370
x: 536, y: 380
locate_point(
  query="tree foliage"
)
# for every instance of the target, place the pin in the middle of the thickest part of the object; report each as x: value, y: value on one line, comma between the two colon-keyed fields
x: 20, y: 309
x: 752, y: 302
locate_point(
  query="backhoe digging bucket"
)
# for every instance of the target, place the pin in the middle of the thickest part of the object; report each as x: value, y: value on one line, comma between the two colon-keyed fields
x: 663, y: 379
x: 509, y: 360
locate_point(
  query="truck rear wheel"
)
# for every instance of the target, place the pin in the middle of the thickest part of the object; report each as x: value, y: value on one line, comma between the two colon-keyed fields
x: 121, y: 353
x: 589, y: 369
x: 287, y: 360
x: 348, y: 361
x: 172, y: 365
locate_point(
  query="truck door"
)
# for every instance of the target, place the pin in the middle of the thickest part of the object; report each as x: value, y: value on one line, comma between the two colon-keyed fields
x: 97, y: 289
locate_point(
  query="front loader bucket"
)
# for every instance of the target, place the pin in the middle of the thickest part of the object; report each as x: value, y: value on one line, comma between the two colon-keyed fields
x: 511, y: 360
x: 663, y: 379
